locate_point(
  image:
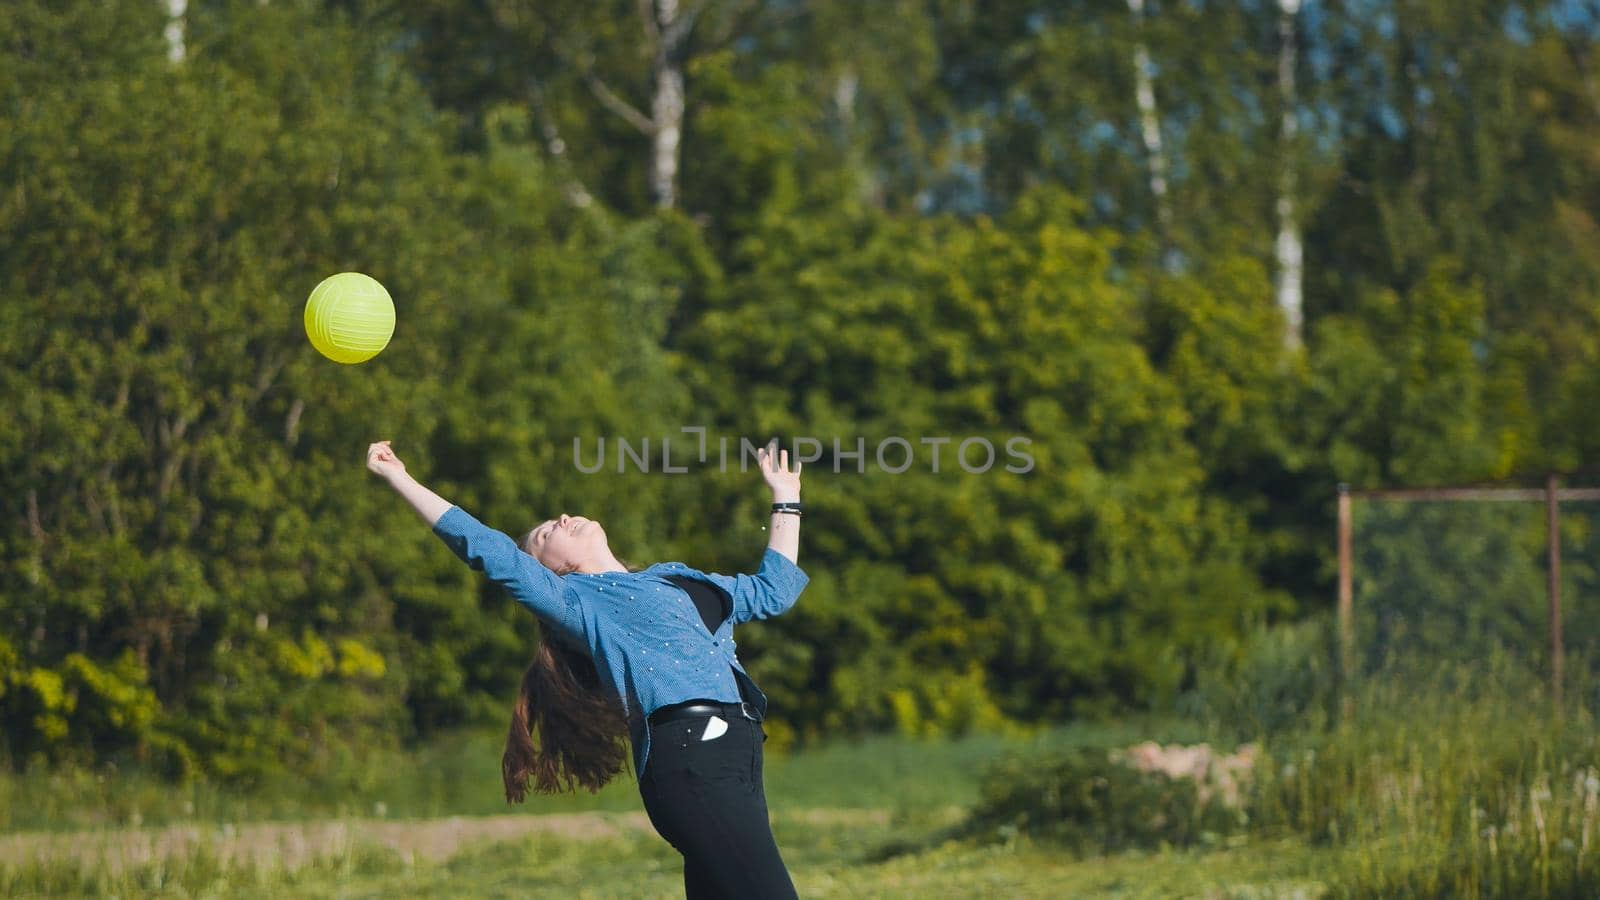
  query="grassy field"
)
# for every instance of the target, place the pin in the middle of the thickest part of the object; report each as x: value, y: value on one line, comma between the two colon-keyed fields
x: 859, y: 818
x: 1453, y: 795
x: 831, y: 853
x: 460, y: 776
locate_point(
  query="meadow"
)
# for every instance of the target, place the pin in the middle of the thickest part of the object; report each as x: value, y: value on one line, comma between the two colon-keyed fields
x: 868, y: 817
x: 1458, y: 783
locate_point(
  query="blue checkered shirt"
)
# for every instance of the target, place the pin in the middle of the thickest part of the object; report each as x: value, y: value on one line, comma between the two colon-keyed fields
x: 643, y: 632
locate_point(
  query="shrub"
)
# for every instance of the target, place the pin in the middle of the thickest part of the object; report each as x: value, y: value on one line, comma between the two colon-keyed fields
x: 1093, y: 800
x: 1286, y: 678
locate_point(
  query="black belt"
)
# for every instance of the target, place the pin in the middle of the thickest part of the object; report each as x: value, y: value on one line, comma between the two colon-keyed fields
x: 703, y: 708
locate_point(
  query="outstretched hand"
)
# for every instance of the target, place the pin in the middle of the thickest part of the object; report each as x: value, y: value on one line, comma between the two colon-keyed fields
x: 775, y: 469
x: 381, y: 460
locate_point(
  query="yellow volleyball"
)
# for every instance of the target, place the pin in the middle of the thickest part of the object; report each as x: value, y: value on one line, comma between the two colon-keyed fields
x: 349, y: 317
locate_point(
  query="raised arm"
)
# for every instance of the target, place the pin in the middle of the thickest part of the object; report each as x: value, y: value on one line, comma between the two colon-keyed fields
x: 383, y: 463
x: 479, y: 546
x: 778, y: 583
x: 784, y: 529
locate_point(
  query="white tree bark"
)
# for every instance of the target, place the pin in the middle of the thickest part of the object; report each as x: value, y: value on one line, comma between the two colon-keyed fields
x: 1150, y: 126
x: 176, y: 10
x: 667, y: 29
x: 1289, y: 249
x: 844, y: 96
x: 666, y: 107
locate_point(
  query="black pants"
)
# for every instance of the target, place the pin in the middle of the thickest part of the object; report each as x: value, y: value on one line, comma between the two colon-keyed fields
x: 707, y: 799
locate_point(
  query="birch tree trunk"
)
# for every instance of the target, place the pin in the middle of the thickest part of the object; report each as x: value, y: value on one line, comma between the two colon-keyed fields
x: 1289, y: 249
x: 667, y: 28
x: 845, y: 87
x: 176, y: 10
x: 1150, y: 130
x: 666, y: 107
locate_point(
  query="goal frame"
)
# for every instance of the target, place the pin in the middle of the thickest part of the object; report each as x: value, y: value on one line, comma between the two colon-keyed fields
x: 1551, y: 495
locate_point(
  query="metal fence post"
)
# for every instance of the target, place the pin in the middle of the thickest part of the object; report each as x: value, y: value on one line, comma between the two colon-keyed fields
x: 1552, y: 506
x: 1346, y: 593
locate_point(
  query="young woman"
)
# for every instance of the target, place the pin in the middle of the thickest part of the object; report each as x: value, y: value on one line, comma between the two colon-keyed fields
x: 646, y: 656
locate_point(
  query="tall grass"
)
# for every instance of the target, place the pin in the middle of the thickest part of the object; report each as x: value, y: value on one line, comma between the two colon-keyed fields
x: 1461, y: 781
x: 1422, y: 778
x: 1451, y: 778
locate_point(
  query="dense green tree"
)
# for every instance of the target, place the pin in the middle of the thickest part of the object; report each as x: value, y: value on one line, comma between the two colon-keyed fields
x: 915, y: 219
x: 193, y: 523
x: 1053, y: 582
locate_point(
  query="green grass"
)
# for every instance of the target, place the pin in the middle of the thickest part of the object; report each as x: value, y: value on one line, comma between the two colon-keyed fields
x: 912, y: 792
x: 1447, y: 787
x: 624, y: 869
x: 850, y: 860
x: 459, y: 774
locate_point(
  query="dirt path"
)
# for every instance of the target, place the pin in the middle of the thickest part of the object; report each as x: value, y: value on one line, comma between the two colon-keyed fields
x: 293, y: 844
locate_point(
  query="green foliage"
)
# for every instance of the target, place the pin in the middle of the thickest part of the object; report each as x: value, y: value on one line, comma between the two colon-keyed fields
x: 194, y: 529
x: 921, y: 220
x: 1088, y: 802
x: 985, y: 329
x: 1441, y: 770
x: 1451, y: 582
x: 1284, y: 679
x: 1455, y: 783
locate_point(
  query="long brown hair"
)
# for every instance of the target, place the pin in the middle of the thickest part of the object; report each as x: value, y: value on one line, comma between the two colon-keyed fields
x: 581, y: 728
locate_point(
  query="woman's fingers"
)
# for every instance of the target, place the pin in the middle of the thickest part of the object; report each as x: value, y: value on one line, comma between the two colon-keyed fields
x: 777, y: 462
